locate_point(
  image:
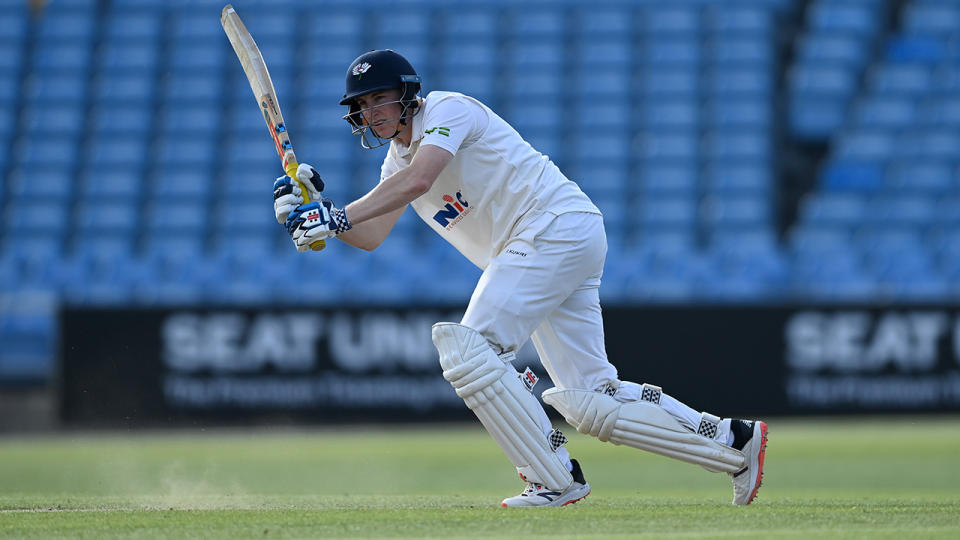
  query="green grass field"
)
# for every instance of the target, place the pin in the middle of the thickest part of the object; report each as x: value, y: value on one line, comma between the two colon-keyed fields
x: 863, y: 478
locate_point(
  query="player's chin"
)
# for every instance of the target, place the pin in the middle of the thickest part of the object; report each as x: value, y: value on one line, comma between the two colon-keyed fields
x: 385, y: 131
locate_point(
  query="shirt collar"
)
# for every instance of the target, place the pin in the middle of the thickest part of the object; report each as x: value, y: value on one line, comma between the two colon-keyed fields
x: 417, y: 127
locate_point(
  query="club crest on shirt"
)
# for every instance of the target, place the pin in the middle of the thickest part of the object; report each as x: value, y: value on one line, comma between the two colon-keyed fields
x: 452, y: 212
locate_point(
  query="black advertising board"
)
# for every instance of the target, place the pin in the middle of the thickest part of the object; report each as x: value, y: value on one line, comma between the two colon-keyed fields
x: 175, y: 366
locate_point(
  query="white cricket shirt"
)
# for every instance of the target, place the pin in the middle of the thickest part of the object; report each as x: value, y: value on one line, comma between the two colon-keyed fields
x: 495, y: 183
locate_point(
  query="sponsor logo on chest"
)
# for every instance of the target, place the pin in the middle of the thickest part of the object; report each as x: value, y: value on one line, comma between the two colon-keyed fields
x: 452, y: 212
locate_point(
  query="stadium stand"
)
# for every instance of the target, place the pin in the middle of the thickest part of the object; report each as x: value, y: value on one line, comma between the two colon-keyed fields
x: 669, y: 114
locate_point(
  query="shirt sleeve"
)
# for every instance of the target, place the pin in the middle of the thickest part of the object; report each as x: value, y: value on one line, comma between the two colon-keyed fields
x: 451, y: 122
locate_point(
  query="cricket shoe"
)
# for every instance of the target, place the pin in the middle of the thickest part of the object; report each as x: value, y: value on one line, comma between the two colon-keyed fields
x: 536, y: 495
x: 751, y: 439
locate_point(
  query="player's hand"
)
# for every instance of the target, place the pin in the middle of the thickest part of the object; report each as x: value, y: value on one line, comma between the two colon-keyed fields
x: 287, y: 194
x: 314, y: 221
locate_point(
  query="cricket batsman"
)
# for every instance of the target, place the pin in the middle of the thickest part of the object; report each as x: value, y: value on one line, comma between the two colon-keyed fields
x: 541, y: 244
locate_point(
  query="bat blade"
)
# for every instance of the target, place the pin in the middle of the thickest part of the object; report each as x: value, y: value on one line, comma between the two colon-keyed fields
x: 262, y: 85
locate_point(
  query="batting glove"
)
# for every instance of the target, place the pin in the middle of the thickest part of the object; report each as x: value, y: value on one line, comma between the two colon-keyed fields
x: 315, y: 221
x: 288, y: 195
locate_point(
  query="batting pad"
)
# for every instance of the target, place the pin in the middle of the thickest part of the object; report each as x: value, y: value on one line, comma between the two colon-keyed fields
x: 642, y: 425
x: 505, y: 407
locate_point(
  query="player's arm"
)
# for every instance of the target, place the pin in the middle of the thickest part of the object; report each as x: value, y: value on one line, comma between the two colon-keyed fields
x: 402, y: 187
x: 374, y: 215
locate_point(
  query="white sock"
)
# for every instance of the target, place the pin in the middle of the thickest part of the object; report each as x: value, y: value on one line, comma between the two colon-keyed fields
x: 687, y: 417
x: 724, y: 435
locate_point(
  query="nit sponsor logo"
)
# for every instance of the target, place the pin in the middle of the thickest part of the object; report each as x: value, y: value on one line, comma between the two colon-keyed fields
x: 452, y: 212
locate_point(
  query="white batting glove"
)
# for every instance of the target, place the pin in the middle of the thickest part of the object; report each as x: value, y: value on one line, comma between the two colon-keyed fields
x: 287, y: 194
x: 316, y: 221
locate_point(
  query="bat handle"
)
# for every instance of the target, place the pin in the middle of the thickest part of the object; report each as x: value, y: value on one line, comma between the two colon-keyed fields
x: 292, y: 173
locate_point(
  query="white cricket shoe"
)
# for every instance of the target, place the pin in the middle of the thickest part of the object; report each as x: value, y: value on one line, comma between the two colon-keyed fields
x: 536, y: 495
x: 751, y: 439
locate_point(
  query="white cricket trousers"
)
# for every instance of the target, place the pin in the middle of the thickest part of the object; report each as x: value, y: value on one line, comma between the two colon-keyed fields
x: 544, y: 285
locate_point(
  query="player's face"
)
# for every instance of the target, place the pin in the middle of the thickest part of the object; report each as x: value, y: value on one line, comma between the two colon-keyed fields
x: 381, y: 111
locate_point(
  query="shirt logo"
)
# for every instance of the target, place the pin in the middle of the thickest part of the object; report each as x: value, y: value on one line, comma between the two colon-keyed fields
x: 445, y: 131
x: 360, y: 69
x: 452, y: 212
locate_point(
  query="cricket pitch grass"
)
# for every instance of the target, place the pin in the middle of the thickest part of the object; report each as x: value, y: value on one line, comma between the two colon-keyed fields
x: 855, y: 478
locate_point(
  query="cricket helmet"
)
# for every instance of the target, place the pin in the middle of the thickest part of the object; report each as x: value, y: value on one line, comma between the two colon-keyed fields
x: 380, y: 70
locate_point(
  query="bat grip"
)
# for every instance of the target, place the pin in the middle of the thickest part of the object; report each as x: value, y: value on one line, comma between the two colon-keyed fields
x: 292, y: 173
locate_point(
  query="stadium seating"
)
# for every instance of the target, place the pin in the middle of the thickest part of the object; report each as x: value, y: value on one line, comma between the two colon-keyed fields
x: 669, y: 114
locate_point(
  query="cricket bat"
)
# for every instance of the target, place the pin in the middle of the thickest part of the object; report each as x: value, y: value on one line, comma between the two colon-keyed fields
x: 262, y: 86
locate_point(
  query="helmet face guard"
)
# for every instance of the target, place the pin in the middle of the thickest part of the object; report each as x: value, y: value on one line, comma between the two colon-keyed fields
x: 380, y: 70
x: 410, y: 106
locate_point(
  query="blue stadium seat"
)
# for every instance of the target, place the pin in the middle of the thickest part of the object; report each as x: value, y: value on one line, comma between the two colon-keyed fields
x: 178, y: 215
x: 600, y: 83
x: 465, y: 23
x: 833, y: 48
x: 53, y: 151
x: 752, y: 51
x: 901, y: 79
x: 665, y: 179
x: 671, y: 212
x: 899, y: 209
x: 128, y: 120
x: 63, y: 119
x: 521, y: 84
x: 535, y: 23
x: 173, y: 182
x: 246, y: 216
x: 673, y: 52
x: 816, y: 117
x: 860, y: 19
x: 541, y: 114
x: 136, y: 57
x: 589, y: 114
x: 671, y: 82
x: 739, y: 210
x: 680, y: 114
x: 337, y: 24
x: 109, y: 182
x: 107, y: 216
x: 808, y: 80
x: 13, y: 26
x: 730, y: 144
x: 877, y: 112
x: 928, y: 144
x: 67, y: 25
x: 741, y: 112
x: 133, y: 25
x: 190, y: 57
x: 59, y: 58
x: 921, y: 49
x: 600, y: 53
x: 470, y: 56
x: 852, y: 175
x: 57, y: 87
x: 604, y: 22
x: 931, y: 18
x: 866, y: 145
x: 191, y: 118
x: 741, y: 20
x: 920, y: 176
x: 124, y: 153
x: 126, y: 88
x: 195, y: 89
x: 749, y: 82
x: 175, y: 149
x: 680, y: 146
x: 676, y: 20
x: 938, y: 112
x: 828, y: 208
